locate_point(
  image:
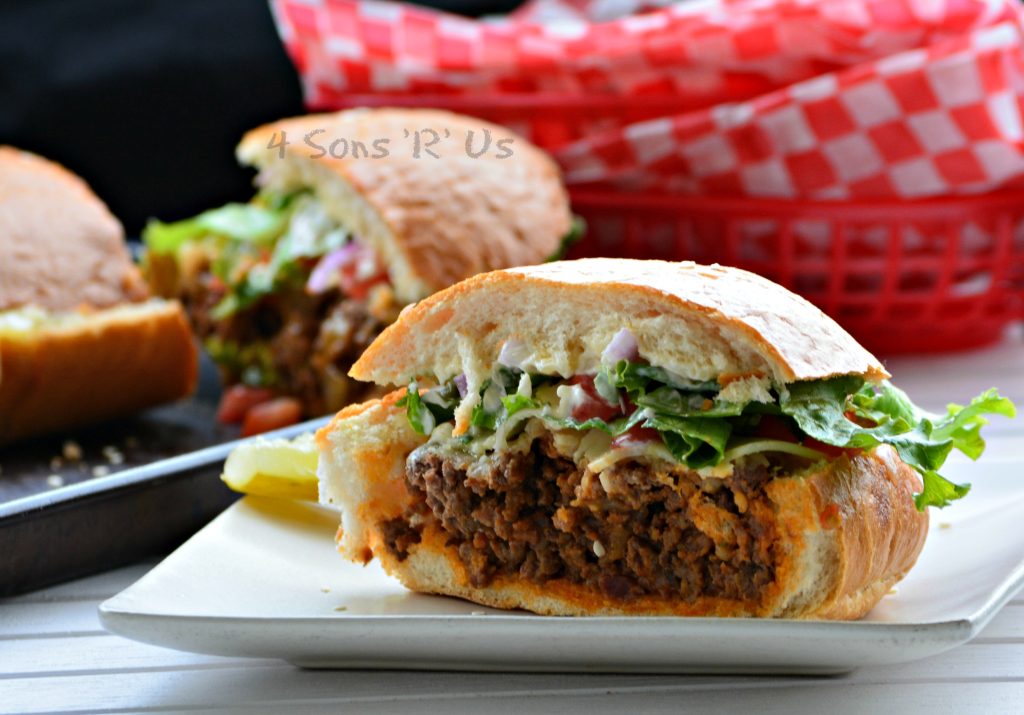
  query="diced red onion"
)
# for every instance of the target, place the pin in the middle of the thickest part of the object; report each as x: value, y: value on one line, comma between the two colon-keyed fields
x: 621, y: 347
x: 462, y: 385
x: 513, y: 353
x: 325, y: 274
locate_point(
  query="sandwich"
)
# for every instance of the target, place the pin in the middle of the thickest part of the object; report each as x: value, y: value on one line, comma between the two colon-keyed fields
x: 81, y: 340
x: 622, y: 437
x: 358, y: 214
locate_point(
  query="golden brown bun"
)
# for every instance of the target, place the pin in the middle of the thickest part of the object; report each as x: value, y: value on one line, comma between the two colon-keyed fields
x: 434, y: 221
x: 60, y: 247
x: 75, y: 369
x: 703, y: 322
x: 845, y: 533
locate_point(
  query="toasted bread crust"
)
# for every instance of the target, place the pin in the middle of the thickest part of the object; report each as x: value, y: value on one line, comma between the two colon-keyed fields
x: 705, y: 322
x: 846, y: 533
x: 435, y: 221
x: 110, y: 362
x: 60, y: 247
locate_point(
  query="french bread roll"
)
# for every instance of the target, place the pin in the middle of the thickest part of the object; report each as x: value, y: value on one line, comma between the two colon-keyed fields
x: 80, y: 339
x: 368, y: 210
x: 434, y: 220
x: 537, y: 519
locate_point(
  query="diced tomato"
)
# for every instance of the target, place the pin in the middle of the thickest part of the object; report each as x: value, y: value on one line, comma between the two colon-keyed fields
x: 237, y: 400
x: 830, y: 450
x: 862, y: 421
x: 355, y: 286
x: 593, y: 405
x: 216, y: 285
x: 636, y: 436
x: 771, y: 427
x: 266, y: 416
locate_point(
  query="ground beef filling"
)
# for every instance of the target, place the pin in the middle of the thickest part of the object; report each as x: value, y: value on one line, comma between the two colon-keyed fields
x: 312, y: 341
x: 539, y: 516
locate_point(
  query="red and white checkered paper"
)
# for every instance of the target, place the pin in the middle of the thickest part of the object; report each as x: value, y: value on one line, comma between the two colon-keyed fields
x: 826, y: 99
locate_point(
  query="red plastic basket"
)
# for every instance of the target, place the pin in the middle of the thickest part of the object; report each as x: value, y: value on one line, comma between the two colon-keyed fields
x: 922, y: 276
x: 901, y: 276
x: 548, y: 120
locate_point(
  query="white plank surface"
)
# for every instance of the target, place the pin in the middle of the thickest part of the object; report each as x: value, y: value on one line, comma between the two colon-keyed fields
x: 55, y: 657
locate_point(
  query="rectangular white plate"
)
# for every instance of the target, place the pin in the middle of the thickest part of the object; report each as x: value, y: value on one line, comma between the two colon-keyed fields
x: 264, y: 580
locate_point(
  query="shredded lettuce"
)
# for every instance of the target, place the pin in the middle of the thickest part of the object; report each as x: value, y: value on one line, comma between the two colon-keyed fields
x: 671, y: 401
x: 310, y: 233
x: 639, y: 378
x: 615, y: 428
x: 515, y: 403
x: 695, y: 441
x: 687, y: 414
x: 430, y: 408
x: 259, y: 247
x: 484, y: 419
x: 922, y: 440
x: 490, y: 419
x: 420, y: 416
x: 256, y: 223
x: 702, y: 430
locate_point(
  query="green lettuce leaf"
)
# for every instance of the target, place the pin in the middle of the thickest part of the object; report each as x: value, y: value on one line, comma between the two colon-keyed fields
x: 670, y: 401
x: 516, y: 402
x: 615, y: 428
x: 638, y: 378
x: 696, y: 442
x: 485, y: 419
x: 251, y: 223
x: 938, y: 491
x: 963, y: 424
x: 427, y: 410
x: 415, y: 411
x: 923, y: 441
x: 309, y: 235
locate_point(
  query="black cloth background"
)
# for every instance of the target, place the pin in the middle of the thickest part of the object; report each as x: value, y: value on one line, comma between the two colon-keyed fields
x: 146, y: 100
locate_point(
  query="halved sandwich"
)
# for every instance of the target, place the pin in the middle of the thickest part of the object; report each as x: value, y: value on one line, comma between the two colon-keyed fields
x: 81, y: 340
x: 638, y: 437
x: 359, y: 214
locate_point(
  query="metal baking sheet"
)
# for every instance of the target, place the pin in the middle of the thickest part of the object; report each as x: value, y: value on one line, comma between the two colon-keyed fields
x: 92, y: 499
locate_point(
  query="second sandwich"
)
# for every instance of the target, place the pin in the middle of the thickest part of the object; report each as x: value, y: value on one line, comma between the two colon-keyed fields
x: 358, y: 214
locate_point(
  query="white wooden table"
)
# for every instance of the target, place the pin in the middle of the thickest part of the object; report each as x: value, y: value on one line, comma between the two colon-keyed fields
x: 55, y: 657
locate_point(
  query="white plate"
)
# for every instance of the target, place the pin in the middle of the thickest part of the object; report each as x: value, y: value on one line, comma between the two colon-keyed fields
x: 264, y: 580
